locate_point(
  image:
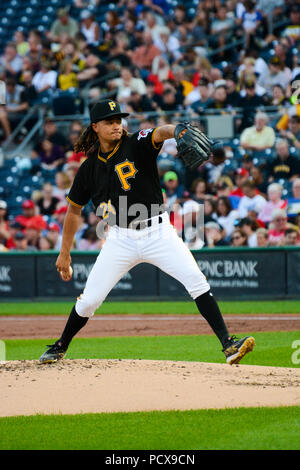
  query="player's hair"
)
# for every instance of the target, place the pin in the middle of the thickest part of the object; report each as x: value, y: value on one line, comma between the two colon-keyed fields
x: 87, y: 140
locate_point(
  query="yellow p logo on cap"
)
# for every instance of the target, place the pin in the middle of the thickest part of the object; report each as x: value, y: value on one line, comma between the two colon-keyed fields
x: 112, y: 105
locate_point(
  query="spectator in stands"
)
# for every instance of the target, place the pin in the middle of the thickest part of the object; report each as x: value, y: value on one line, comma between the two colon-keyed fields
x: 219, y: 98
x: 64, y: 24
x: 29, y: 93
x: 214, y: 235
x: 71, y: 52
x: 238, y: 238
x: 35, y: 50
x: 277, y: 74
x: 21, y: 243
x: 45, y: 244
x: 210, y: 209
x: 50, y: 132
x: 13, y: 228
x: 139, y: 104
x: 168, y: 45
x: 291, y: 237
x: 169, y: 100
x: 67, y: 78
x: 275, y: 201
x: 120, y: 52
x: 241, y: 176
x: 278, y: 97
x: 10, y: 61
x: 205, y: 100
x: 4, y: 227
x: 277, y: 227
x: 292, y: 133
x: 251, y: 20
x: 60, y: 214
x: 44, y: 80
x: 260, y: 136
x: 21, y: 43
x: 226, y: 216
x: 223, y: 187
x: 51, y: 156
x: 251, y: 201
x: 16, y: 106
x: 29, y: 215
x: 144, y: 55
x: 262, y: 237
x: 81, y: 229
x: 285, y: 166
x: 249, y: 228
x: 47, y: 204
x: 112, y: 22
x: 222, y: 28
x: 90, y: 240
x: 174, y: 190
x: 214, y: 167
x: 292, y: 31
x: 152, y: 25
x: 94, y: 67
x: 62, y: 185
x: 199, y: 190
x: 89, y: 27
x: 33, y: 233
x: 257, y: 176
x: 249, y: 104
x: 126, y: 84
x: 233, y: 96
x: 293, y: 202
x: 54, y: 235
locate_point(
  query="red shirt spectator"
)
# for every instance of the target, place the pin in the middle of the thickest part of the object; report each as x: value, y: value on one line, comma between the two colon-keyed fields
x: 29, y: 215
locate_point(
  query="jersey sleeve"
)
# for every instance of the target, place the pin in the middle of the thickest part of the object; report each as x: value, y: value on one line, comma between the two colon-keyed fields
x: 144, y: 141
x: 79, y: 194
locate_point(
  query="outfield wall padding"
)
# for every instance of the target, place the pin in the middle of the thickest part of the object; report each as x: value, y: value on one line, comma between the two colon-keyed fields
x: 233, y: 274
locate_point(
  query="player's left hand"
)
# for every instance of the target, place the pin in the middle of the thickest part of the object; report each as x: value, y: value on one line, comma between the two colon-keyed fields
x: 193, y: 146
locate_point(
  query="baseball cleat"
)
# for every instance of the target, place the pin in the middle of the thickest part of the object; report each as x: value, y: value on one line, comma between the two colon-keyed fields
x: 53, y: 354
x: 238, y: 348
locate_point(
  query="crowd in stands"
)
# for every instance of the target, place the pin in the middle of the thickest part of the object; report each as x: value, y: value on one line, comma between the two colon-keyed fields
x: 164, y: 59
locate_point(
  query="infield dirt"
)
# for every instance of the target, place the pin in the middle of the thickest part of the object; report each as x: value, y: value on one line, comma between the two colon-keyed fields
x: 92, y: 386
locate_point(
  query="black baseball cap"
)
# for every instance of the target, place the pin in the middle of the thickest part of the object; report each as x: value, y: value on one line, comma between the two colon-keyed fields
x: 105, y: 109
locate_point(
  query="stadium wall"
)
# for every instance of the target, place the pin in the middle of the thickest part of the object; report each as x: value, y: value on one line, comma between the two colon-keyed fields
x: 239, y: 273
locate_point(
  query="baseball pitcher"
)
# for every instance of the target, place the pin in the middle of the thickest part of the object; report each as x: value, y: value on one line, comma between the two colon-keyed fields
x: 120, y: 176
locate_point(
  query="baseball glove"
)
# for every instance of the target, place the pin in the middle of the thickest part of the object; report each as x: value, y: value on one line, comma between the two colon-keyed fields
x: 194, y: 147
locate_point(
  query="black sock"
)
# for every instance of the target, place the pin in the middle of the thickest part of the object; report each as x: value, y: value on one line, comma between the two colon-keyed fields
x: 74, y: 324
x: 209, y: 309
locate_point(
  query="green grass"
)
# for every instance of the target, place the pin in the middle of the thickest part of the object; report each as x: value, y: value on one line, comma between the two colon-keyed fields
x: 272, y: 349
x: 165, y: 308
x: 240, y: 428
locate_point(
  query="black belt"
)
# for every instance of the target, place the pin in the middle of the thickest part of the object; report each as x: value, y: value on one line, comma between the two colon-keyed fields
x: 142, y: 224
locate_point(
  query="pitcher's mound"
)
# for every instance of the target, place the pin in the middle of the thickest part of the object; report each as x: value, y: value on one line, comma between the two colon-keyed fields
x: 94, y: 386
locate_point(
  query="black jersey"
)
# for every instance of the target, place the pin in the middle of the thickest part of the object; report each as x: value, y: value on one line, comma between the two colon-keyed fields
x: 123, y: 184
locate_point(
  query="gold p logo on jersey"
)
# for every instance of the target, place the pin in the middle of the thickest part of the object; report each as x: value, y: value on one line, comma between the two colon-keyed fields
x: 125, y: 171
x: 112, y: 105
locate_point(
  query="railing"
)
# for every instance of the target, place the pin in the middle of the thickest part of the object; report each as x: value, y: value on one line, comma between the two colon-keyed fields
x: 33, y: 112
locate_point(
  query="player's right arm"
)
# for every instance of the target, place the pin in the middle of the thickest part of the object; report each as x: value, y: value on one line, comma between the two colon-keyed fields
x: 71, y: 224
x: 78, y: 197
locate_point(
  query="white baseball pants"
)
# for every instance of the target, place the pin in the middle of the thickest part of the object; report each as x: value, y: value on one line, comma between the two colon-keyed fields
x: 125, y: 248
